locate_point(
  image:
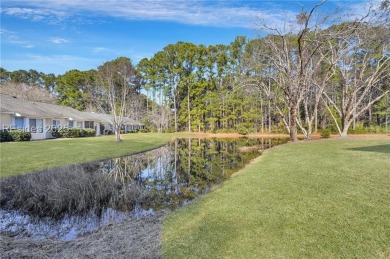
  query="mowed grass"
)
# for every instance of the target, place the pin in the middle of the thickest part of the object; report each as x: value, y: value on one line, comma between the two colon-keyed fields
x: 320, y: 199
x: 22, y: 157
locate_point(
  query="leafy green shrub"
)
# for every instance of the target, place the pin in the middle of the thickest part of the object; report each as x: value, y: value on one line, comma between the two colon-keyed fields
x: 90, y: 132
x: 132, y: 131
x: 325, y: 133
x: 18, y: 135
x: 242, y: 130
x: 361, y: 129
x: 74, y: 133
x: 56, y: 133
x: 5, y: 136
x: 145, y: 131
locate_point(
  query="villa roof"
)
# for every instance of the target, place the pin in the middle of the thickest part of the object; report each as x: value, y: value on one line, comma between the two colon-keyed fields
x: 12, y: 105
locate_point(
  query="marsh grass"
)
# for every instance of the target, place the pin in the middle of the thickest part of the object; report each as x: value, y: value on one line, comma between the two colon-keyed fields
x: 69, y: 190
x: 322, y: 199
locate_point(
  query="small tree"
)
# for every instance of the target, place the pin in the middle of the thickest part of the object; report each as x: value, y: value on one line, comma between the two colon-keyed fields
x: 116, y: 79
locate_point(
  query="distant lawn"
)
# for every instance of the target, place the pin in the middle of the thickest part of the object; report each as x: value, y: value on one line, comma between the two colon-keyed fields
x: 22, y: 157
x: 322, y: 199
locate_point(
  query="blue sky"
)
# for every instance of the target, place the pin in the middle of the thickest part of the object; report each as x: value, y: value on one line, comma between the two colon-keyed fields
x: 54, y: 36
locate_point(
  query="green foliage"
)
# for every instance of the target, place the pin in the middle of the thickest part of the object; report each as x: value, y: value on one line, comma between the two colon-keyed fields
x: 325, y: 133
x: 14, y: 135
x: 74, y: 133
x: 371, y: 129
x: 5, y: 136
x: 75, y: 88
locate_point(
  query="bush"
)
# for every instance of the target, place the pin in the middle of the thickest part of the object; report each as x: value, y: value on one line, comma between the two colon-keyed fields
x: 325, y: 133
x: 5, y: 136
x: 372, y: 129
x: 56, y: 134
x: 17, y: 135
x: 242, y: 131
x: 74, y: 133
x: 146, y: 131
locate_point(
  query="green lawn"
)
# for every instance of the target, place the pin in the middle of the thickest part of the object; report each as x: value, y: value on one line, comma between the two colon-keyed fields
x: 22, y: 157
x: 320, y: 199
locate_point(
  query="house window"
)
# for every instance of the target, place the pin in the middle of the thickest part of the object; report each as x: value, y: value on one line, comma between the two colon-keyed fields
x: 36, y: 125
x: 79, y: 124
x: 56, y: 124
x: 19, y: 123
x: 88, y: 124
x: 71, y: 124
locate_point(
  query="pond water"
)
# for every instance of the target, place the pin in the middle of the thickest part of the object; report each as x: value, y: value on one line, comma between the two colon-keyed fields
x: 66, y: 202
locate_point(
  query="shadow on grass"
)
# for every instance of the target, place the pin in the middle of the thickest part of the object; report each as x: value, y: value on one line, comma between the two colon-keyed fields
x: 378, y: 149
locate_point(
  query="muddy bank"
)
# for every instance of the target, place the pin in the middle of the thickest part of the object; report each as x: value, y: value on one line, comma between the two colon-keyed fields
x: 132, y: 238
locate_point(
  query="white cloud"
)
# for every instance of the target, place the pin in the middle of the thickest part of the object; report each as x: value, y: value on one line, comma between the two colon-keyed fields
x: 242, y: 14
x: 57, y: 40
x: 13, y: 38
x: 195, y: 12
x: 35, y: 14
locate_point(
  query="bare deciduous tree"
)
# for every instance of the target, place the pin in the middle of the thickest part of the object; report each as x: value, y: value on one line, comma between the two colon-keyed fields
x: 116, y: 80
x: 363, y: 70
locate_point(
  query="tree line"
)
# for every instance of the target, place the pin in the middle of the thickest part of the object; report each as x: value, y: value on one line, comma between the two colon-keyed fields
x: 302, y: 79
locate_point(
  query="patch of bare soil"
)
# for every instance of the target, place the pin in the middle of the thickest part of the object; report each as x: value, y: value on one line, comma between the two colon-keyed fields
x: 132, y: 238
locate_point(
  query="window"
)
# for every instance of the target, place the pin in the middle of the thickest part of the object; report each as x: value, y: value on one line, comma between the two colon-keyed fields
x: 88, y: 124
x: 19, y: 123
x: 71, y: 124
x: 79, y: 124
x: 56, y: 124
x: 36, y: 125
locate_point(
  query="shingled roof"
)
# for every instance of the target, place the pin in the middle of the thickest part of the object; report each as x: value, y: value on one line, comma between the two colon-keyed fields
x: 12, y: 105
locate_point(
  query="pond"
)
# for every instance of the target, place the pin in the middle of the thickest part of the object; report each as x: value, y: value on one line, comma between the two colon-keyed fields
x: 66, y: 202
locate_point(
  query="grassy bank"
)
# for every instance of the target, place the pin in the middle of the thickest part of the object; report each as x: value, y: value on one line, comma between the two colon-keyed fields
x: 22, y: 157
x: 323, y: 199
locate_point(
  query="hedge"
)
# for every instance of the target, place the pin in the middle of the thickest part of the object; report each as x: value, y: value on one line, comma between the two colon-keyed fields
x: 14, y: 135
x: 74, y: 133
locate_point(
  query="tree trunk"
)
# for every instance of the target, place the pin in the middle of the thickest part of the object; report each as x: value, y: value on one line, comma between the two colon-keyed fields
x: 269, y: 117
x: 293, y: 123
x: 118, y: 134
x: 189, y: 112
x: 175, y: 112
x: 344, y: 132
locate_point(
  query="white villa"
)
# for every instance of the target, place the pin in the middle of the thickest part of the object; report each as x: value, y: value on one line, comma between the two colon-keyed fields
x: 41, y: 118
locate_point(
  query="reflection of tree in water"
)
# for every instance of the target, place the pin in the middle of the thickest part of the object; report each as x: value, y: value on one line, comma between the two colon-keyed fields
x: 165, y: 177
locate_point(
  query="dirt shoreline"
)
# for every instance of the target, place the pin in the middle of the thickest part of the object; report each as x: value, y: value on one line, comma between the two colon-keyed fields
x: 314, y: 136
x: 132, y: 238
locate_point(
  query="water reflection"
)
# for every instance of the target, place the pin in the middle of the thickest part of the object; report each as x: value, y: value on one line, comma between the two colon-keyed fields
x: 67, y: 201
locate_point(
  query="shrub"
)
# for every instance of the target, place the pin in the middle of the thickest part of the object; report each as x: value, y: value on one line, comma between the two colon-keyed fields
x: 74, y: 133
x: 56, y: 133
x: 242, y: 130
x: 5, y: 136
x: 325, y: 133
x: 372, y: 129
x: 146, y: 131
x: 18, y: 135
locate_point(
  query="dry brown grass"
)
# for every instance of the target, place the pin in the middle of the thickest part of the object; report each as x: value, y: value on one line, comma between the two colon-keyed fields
x: 132, y: 238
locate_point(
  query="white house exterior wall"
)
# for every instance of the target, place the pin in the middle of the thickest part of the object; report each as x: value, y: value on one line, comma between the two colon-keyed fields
x: 5, y: 120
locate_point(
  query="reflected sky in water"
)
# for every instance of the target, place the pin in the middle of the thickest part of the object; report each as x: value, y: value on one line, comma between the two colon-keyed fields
x: 91, y: 195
